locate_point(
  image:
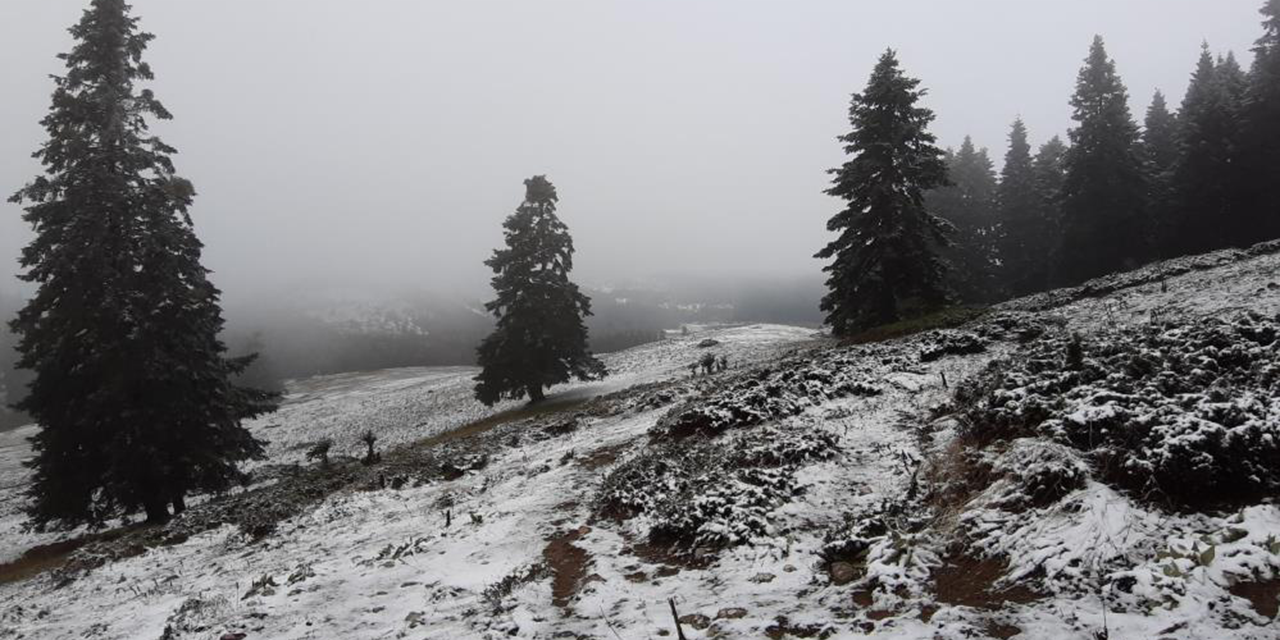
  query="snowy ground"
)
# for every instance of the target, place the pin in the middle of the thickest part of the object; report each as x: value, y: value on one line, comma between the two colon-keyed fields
x: 403, y: 405
x: 526, y: 554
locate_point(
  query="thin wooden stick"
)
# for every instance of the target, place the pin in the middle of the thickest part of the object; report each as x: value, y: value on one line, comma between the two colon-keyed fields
x: 675, y: 616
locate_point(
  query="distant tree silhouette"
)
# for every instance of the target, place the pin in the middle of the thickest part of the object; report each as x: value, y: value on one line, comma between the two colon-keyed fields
x: 1258, y: 194
x: 1020, y: 217
x: 1204, y: 177
x: 1160, y: 152
x: 885, y: 261
x: 1105, y: 223
x: 969, y: 204
x: 541, y: 337
x: 1043, y: 236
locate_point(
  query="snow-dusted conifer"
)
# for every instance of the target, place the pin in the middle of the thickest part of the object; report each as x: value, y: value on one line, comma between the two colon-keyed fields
x: 541, y: 337
x: 885, y: 262
x: 1259, y: 155
x: 1204, y: 178
x: 1160, y: 151
x: 1105, y: 224
x: 1018, y: 208
x: 969, y: 204
x: 131, y: 388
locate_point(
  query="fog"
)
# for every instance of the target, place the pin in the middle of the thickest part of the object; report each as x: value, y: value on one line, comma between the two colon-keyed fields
x: 378, y: 145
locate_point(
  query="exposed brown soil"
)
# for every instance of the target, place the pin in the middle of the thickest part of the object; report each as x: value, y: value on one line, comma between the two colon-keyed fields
x: 498, y: 419
x: 1002, y: 631
x: 783, y: 628
x: 568, y: 564
x: 960, y: 475
x: 602, y: 457
x: 45, y: 557
x: 672, y: 560
x: 970, y: 582
x: 944, y: 319
x: 1264, y: 595
x: 863, y: 599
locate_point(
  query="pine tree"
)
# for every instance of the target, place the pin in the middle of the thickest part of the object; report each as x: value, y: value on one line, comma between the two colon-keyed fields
x: 1204, y: 177
x: 1018, y: 213
x: 1048, y: 170
x: 969, y: 204
x: 131, y: 387
x: 1160, y: 153
x: 541, y: 337
x: 1258, y: 189
x: 886, y: 261
x: 1105, y: 224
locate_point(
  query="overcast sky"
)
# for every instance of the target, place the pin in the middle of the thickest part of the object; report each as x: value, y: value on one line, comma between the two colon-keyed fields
x: 382, y: 142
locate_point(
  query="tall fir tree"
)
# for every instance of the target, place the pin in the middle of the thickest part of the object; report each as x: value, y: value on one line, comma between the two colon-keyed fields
x: 885, y: 261
x: 1258, y: 158
x: 1049, y: 168
x: 131, y: 389
x: 969, y: 204
x: 1105, y: 222
x: 541, y: 336
x: 1205, y: 179
x: 1160, y: 153
x: 1049, y: 174
x: 1018, y: 212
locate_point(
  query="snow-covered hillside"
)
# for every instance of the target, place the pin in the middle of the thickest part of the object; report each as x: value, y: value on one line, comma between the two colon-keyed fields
x: 811, y: 490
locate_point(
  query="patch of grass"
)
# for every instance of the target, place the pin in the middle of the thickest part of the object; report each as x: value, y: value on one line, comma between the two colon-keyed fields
x: 498, y: 419
x: 948, y: 318
x: 39, y: 559
x: 497, y: 592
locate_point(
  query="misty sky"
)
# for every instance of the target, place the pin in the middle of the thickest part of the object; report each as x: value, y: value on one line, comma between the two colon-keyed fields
x: 381, y: 143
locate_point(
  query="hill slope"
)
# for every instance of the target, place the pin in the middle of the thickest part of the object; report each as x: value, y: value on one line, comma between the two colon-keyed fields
x: 811, y: 490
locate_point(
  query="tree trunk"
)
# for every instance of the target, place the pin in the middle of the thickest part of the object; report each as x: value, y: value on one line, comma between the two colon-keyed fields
x: 535, y: 393
x: 157, y: 511
x: 179, y: 504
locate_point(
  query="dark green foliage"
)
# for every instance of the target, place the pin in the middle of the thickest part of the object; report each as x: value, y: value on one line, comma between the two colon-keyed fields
x: 320, y: 451
x: 541, y: 338
x: 1259, y: 154
x: 947, y: 318
x: 886, y: 262
x: 713, y: 493
x: 1020, y: 217
x: 12, y: 379
x: 131, y: 384
x: 1105, y: 226
x: 969, y: 204
x: 1043, y: 236
x: 1160, y: 152
x: 1204, y: 178
x: 1180, y: 411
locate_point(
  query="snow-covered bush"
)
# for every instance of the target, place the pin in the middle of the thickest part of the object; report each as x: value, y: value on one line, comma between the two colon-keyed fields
x: 950, y: 343
x: 1037, y: 473
x: 1188, y: 412
x: 713, y: 493
x: 770, y: 394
